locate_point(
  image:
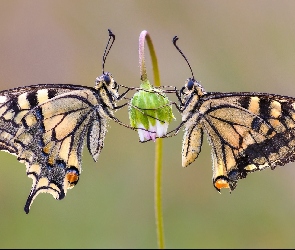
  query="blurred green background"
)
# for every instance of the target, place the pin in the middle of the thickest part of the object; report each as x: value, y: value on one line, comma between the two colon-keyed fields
x: 231, y: 45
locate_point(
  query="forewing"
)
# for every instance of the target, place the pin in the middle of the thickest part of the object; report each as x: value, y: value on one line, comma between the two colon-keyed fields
x: 15, y: 103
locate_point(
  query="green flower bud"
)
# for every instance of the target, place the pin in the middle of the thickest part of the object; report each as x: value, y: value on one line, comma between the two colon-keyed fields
x: 150, y: 110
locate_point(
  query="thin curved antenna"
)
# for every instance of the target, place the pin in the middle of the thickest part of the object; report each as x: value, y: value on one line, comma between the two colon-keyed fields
x: 174, y: 40
x: 108, y: 48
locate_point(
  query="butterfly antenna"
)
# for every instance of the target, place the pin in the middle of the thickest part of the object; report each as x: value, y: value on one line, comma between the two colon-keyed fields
x: 108, y: 48
x: 174, y: 40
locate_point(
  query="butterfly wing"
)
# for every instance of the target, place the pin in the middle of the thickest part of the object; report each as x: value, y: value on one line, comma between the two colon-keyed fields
x: 45, y: 127
x: 247, y: 132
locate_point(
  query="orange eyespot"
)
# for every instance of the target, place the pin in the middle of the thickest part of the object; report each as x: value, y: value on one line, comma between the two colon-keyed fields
x: 221, y: 183
x: 72, y: 176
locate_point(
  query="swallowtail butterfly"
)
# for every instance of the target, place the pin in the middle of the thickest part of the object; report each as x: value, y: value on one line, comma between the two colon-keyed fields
x: 45, y: 126
x: 247, y: 131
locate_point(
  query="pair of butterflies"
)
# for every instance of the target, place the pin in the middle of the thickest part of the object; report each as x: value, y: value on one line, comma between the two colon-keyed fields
x: 45, y: 127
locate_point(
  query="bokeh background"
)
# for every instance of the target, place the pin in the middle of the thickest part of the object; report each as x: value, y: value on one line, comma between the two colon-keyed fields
x: 231, y: 45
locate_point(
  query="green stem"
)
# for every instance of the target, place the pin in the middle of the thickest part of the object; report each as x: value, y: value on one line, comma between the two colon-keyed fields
x: 158, y: 192
x: 159, y: 143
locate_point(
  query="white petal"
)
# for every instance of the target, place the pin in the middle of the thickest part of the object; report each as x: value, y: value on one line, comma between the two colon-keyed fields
x: 141, y: 132
x: 161, y: 128
x: 147, y: 135
x: 151, y: 134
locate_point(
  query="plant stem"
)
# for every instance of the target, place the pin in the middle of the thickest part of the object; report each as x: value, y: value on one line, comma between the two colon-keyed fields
x: 159, y: 143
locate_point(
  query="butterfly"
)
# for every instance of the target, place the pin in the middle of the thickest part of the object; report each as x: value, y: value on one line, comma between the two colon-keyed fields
x: 247, y: 131
x: 45, y: 126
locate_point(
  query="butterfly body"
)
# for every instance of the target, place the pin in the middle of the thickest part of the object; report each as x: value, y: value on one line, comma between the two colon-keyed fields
x: 45, y: 126
x: 247, y: 131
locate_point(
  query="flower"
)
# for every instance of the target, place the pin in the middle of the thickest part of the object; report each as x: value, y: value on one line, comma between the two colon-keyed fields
x: 151, y: 112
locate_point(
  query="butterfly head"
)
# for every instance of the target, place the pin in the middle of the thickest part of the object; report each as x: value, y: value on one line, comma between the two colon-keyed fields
x: 191, y: 88
x: 107, y: 83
